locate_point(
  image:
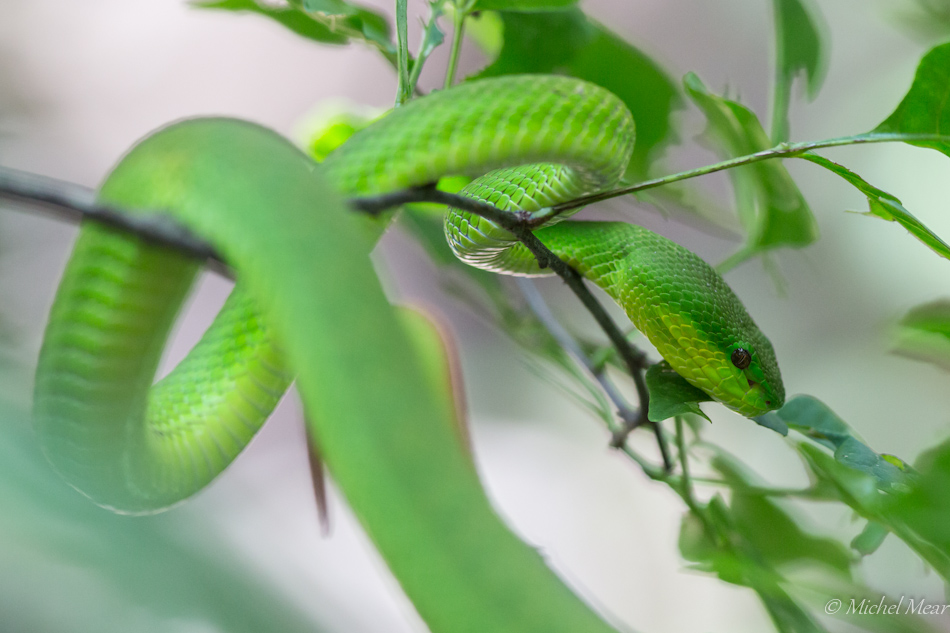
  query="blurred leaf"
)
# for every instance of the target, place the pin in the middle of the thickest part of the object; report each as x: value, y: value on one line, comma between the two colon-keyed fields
x: 926, y: 107
x: 289, y: 17
x: 924, y: 333
x: 799, y: 50
x: 775, y: 536
x: 926, y: 19
x: 522, y: 5
x: 884, y: 205
x: 671, y: 395
x: 926, y: 508
x: 870, y: 538
x: 568, y: 42
x: 814, y: 419
x: 432, y: 36
x: 857, y: 489
x: 68, y: 565
x: 771, y: 208
x: 694, y: 542
x: 771, y: 421
x: 734, y: 559
x: 330, y: 8
x: 334, y: 132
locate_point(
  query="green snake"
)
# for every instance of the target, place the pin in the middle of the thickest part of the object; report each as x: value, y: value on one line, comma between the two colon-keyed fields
x: 531, y: 141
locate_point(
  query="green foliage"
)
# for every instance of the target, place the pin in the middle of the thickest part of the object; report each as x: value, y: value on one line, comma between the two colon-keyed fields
x: 799, y: 50
x: 771, y: 208
x: 522, y: 5
x: 926, y: 508
x: 288, y: 17
x: 885, y: 206
x: 814, y: 419
x: 570, y: 43
x: 671, y: 395
x: 324, y: 21
x: 925, y: 111
x: 924, y: 333
x: 47, y: 528
x: 771, y: 531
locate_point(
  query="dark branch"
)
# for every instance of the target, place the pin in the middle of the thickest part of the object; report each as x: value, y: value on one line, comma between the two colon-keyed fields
x: 75, y: 204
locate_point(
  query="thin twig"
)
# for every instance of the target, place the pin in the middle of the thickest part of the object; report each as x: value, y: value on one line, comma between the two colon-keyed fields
x: 782, y: 150
x: 630, y: 418
x: 74, y: 203
x: 627, y: 414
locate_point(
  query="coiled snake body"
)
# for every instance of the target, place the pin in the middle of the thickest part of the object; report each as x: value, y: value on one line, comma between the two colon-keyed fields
x: 532, y: 140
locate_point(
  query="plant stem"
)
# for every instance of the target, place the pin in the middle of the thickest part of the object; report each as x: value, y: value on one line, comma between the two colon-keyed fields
x: 630, y: 418
x: 459, y: 16
x: 783, y: 150
x: 404, y: 88
x: 428, y: 43
x: 540, y: 308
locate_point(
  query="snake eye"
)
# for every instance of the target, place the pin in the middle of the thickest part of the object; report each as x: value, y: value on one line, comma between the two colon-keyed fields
x: 741, y: 358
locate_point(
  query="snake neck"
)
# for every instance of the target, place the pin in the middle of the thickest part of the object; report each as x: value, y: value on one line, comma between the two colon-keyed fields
x: 673, y: 297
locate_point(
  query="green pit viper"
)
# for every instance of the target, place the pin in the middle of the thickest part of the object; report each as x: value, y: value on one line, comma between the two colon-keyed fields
x: 307, y: 304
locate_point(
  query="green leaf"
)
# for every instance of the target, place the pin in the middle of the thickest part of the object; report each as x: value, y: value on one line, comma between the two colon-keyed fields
x: 870, y: 538
x: 798, y: 51
x: 885, y: 206
x: 925, y: 109
x: 671, y: 395
x: 924, y: 334
x: 771, y: 208
x: 926, y: 509
x: 771, y: 421
x: 329, y: 8
x: 194, y: 572
x: 350, y: 20
x: 522, y: 5
x: 432, y: 37
x: 814, y: 419
x: 857, y: 489
x: 775, y: 535
x: 290, y: 18
x: 733, y: 559
x: 779, y: 540
x: 568, y: 42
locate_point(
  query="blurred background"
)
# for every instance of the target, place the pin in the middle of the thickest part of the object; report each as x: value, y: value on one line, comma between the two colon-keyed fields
x: 81, y: 82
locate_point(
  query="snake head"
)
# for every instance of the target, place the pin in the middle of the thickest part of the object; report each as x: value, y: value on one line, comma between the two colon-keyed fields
x: 751, y: 383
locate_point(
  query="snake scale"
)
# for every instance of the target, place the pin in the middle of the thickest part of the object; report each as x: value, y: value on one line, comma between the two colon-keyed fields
x: 531, y: 141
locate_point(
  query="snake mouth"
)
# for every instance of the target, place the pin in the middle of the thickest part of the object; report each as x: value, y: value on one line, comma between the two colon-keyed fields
x: 753, y: 385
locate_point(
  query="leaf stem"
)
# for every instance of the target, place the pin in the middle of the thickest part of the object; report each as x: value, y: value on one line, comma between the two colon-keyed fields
x: 404, y: 88
x: 459, y: 16
x: 782, y: 150
x: 425, y: 48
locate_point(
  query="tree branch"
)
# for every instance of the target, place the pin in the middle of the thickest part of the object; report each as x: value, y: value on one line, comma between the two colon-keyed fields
x: 73, y: 203
x: 630, y: 418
